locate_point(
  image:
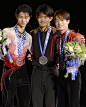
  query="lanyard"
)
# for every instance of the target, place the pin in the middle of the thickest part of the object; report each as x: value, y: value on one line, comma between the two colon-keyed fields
x: 46, y: 41
x: 62, y: 49
x: 20, y: 44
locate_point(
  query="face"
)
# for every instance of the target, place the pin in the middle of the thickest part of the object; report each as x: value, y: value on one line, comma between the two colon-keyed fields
x: 61, y: 25
x: 44, y: 20
x: 23, y: 19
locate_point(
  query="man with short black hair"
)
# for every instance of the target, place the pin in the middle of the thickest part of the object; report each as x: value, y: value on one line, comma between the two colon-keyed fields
x: 15, y: 79
x: 69, y: 90
x: 44, y: 58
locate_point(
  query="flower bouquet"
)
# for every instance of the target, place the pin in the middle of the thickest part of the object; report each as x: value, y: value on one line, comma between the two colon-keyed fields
x: 75, y: 54
x: 3, y: 38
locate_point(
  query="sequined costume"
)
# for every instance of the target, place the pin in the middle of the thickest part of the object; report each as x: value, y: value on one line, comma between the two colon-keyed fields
x: 69, y: 90
x: 15, y: 79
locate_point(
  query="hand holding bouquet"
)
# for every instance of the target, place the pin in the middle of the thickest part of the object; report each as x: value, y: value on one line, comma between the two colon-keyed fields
x: 75, y: 54
x: 3, y: 38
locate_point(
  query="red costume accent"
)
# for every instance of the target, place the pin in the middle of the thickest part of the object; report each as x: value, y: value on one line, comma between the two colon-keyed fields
x: 71, y: 37
x: 51, y: 48
x: 12, y: 46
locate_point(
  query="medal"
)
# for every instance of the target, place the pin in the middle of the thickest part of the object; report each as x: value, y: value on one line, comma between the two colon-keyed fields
x: 43, y: 59
x: 19, y: 62
x: 62, y: 65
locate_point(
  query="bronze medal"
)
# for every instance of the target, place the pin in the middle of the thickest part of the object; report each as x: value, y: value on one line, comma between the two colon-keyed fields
x: 62, y: 65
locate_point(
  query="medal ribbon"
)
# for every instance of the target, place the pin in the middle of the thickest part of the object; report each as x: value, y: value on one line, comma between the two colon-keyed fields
x: 62, y: 49
x: 20, y: 44
x: 46, y: 41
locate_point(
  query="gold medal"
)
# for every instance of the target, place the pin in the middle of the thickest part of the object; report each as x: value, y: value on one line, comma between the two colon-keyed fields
x: 43, y: 60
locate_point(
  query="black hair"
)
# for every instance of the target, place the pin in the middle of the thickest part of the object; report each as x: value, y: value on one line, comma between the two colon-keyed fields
x: 23, y: 8
x: 46, y: 9
x: 62, y: 14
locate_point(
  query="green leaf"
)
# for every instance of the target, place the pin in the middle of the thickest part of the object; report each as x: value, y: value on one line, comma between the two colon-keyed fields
x: 66, y: 75
x: 3, y: 40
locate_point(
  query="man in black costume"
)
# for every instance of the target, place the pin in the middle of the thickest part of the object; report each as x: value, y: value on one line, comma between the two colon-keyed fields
x: 44, y: 59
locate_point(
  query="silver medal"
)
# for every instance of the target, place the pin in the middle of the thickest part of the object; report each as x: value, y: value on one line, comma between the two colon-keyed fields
x: 19, y: 62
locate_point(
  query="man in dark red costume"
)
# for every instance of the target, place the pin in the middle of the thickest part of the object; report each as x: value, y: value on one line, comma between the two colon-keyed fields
x: 69, y: 90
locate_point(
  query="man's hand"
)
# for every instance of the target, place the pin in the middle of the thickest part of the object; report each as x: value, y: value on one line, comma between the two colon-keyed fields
x: 29, y: 57
x: 72, y: 69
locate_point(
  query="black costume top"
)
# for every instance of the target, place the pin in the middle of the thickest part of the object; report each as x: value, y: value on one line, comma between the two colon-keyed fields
x: 51, y: 51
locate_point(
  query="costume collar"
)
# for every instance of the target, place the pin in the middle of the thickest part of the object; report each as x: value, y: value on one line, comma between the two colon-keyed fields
x: 46, y: 29
x: 64, y: 33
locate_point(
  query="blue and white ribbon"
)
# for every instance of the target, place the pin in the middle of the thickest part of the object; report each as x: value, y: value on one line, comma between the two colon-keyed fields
x: 74, y: 68
x: 62, y: 49
x: 20, y: 44
x: 46, y: 41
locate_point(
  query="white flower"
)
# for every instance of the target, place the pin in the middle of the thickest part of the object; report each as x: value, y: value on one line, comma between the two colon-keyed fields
x: 72, y: 54
x: 0, y: 38
x: 0, y: 33
x: 4, y: 35
x: 70, y: 49
x: 78, y: 48
x: 84, y: 55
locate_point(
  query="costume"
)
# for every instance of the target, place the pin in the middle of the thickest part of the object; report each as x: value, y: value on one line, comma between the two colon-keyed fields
x: 43, y: 78
x: 69, y: 90
x: 15, y: 79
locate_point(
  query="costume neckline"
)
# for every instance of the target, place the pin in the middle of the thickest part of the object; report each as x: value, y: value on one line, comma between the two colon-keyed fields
x: 45, y: 30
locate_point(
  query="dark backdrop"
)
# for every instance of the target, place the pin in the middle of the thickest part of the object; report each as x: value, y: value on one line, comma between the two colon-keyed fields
x: 77, y: 9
